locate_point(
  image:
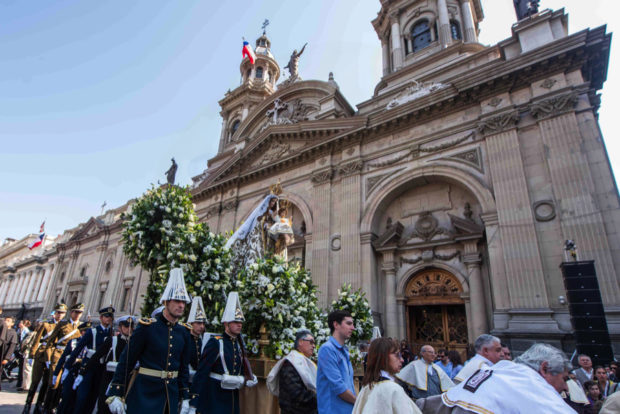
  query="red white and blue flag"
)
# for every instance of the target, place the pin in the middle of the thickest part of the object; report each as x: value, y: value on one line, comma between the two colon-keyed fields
x: 248, y: 51
x: 39, y: 240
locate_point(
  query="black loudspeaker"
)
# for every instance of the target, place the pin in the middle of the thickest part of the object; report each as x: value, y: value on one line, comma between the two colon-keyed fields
x: 586, y: 311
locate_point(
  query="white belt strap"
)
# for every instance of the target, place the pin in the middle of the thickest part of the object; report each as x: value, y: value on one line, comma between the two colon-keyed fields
x: 216, y: 376
x: 67, y: 336
x: 222, y: 358
x: 94, y: 332
x: 114, y: 342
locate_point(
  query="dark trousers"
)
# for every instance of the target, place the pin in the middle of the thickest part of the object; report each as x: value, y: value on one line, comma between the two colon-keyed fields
x: 40, y: 374
x: 20, y: 371
x: 87, y: 392
x: 67, y: 396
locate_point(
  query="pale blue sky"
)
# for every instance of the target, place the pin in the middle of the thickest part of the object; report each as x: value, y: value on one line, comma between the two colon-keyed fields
x: 97, y: 96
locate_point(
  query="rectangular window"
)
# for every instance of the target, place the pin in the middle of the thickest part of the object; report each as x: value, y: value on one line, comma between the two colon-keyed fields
x: 126, y: 299
x: 101, y: 296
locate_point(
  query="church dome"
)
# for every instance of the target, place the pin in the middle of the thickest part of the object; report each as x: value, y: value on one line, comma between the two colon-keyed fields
x: 263, y: 46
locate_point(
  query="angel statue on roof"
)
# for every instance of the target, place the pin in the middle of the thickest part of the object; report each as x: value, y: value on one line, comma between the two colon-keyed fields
x: 267, y: 231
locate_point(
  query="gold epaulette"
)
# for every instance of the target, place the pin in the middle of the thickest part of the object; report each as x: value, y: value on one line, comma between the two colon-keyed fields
x: 218, y: 337
x: 147, y: 321
x: 187, y: 325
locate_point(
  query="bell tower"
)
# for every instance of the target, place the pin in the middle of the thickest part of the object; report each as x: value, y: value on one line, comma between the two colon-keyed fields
x: 412, y: 30
x: 258, y: 81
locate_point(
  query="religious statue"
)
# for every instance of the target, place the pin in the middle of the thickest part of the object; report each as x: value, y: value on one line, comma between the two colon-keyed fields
x: 293, y: 63
x: 172, y: 171
x: 526, y: 8
x: 267, y: 231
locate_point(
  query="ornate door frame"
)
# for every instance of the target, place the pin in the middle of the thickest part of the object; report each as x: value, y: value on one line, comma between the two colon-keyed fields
x: 442, y: 290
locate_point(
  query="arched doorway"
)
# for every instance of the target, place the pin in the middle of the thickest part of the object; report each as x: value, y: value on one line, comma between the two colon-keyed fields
x: 436, y: 311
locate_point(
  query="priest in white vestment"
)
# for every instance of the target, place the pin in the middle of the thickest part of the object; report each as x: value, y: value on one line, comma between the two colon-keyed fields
x: 488, y: 352
x: 379, y: 393
x: 530, y: 385
x: 424, y: 377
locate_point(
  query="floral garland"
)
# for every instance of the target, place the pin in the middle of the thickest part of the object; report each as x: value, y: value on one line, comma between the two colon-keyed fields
x: 283, y: 298
x: 355, y: 302
x: 160, y: 232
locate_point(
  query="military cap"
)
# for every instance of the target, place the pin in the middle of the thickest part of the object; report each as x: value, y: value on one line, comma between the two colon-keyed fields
x: 60, y: 307
x: 85, y: 325
x: 126, y: 320
x: 78, y: 307
x: 107, y: 311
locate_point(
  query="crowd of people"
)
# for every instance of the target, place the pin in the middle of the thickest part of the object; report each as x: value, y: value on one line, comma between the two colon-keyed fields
x: 159, y: 364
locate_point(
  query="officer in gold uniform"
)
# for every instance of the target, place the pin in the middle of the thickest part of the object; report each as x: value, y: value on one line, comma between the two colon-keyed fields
x: 63, y: 333
x: 40, y: 370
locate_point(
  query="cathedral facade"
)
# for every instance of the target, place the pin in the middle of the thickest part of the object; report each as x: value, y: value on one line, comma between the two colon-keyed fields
x: 446, y: 196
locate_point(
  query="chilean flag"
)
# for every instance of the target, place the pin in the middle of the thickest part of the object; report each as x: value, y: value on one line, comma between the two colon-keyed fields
x: 248, y: 51
x: 39, y: 240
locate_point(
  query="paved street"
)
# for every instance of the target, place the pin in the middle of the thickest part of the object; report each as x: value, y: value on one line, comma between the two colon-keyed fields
x: 11, y: 402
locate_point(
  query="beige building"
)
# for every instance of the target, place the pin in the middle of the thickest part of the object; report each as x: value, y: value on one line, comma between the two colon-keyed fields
x: 446, y: 196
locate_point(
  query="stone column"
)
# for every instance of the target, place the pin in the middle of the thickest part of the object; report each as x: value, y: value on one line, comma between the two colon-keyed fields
x: 391, y: 306
x: 573, y: 186
x: 43, y: 285
x: 469, y: 29
x: 397, y: 46
x: 3, y: 287
x: 18, y: 289
x: 350, y: 200
x: 10, y: 289
x: 320, y: 234
x: 472, y: 260
x: 368, y: 264
x: 523, y: 264
x: 445, y: 37
x: 402, y: 309
x: 30, y: 286
x: 385, y: 50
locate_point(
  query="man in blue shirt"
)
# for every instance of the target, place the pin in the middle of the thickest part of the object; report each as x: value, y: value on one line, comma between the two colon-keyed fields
x: 334, y: 382
x: 444, y: 362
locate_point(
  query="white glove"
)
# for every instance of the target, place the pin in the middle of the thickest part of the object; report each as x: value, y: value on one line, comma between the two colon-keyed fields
x: 77, y: 382
x: 185, y: 408
x: 65, y: 373
x: 252, y: 383
x: 116, y: 406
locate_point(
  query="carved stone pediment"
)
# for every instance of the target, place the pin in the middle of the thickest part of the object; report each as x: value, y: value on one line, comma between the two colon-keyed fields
x: 391, y: 236
x: 90, y: 228
x: 291, y: 112
x: 463, y: 226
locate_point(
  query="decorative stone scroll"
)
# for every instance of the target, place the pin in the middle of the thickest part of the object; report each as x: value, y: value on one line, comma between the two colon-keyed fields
x: 544, y: 210
x: 500, y: 123
x: 322, y: 176
x: 554, y: 106
x: 213, y: 211
x: 230, y: 205
x: 428, y: 256
x: 447, y: 145
x: 415, y: 91
x: 471, y: 157
x: 350, y: 168
x: 277, y: 150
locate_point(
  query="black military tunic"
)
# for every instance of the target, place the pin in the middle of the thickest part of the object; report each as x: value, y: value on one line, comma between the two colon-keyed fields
x: 106, y: 354
x: 195, y: 349
x: 208, y: 395
x: 163, y: 350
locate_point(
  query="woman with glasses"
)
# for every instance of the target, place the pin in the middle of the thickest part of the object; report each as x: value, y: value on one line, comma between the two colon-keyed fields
x: 380, y: 393
x: 293, y: 379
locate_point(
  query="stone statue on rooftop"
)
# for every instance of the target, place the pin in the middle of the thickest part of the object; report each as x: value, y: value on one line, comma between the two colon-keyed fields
x: 526, y: 8
x: 293, y: 63
x: 172, y: 172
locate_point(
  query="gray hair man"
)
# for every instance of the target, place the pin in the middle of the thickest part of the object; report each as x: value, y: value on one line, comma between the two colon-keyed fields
x: 488, y: 352
x: 530, y: 384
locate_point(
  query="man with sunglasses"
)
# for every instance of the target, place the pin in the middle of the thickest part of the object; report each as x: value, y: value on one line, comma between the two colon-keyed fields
x: 293, y: 379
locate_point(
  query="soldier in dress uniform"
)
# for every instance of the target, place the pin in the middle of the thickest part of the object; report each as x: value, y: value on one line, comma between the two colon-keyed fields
x: 67, y: 394
x: 223, y: 368
x: 63, y: 333
x: 40, y: 372
x: 196, y: 320
x: 161, y: 345
x: 109, y: 352
x: 87, y: 384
